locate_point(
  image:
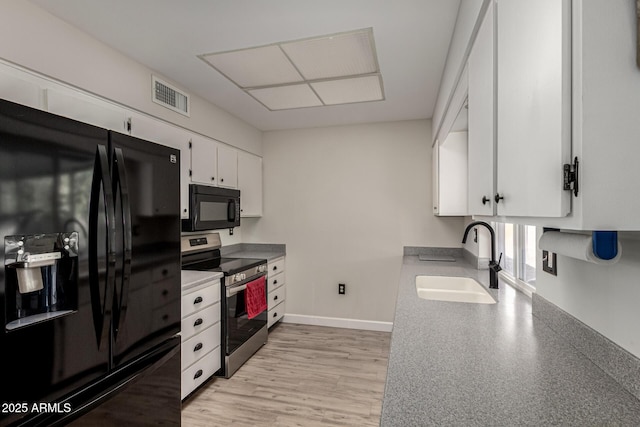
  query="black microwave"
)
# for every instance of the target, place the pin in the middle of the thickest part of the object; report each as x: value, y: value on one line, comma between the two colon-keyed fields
x: 212, y: 208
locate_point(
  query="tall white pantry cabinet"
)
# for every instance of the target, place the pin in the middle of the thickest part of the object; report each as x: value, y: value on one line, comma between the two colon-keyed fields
x: 568, y: 86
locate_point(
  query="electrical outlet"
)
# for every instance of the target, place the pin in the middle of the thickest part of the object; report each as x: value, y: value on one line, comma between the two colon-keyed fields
x: 550, y: 262
x: 342, y: 288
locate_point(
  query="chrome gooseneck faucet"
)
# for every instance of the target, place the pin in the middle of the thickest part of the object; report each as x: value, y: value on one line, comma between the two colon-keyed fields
x: 494, y: 266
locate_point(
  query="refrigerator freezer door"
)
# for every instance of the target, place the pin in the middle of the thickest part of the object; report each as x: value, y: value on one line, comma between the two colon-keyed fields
x: 145, y: 393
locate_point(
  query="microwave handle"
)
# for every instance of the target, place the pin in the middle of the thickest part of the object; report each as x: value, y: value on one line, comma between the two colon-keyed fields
x: 231, y: 210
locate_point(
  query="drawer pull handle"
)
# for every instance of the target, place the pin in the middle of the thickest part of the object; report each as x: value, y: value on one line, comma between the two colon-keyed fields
x: 197, y: 347
x: 275, y: 267
x: 275, y: 298
x: 165, y: 292
x: 275, y: 314
x: 197, y: 300
x: 198, y: 374
x: 275, y: 282
x: 197, y: 322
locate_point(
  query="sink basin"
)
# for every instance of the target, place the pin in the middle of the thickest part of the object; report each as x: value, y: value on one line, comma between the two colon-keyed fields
x: 458, y: 289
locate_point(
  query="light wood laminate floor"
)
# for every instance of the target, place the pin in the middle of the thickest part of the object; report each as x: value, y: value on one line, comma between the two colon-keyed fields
x: 304, y: 376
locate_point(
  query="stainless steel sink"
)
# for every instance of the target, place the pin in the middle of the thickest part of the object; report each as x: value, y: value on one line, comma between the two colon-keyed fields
x: 457, y: 289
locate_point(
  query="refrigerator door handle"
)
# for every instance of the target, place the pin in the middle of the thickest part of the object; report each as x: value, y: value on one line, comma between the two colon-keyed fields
x: 101, y: 304
x: 121, y: 187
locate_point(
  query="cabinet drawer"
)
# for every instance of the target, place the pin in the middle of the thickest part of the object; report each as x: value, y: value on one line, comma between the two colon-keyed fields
x: 200, y: 344
x: 275, y: 266
x: 199, y: 321
x: 275, y: 314
x: 276, y: 297
x: 198, y: 373
x: 200, y: 298
x: 275, y: 281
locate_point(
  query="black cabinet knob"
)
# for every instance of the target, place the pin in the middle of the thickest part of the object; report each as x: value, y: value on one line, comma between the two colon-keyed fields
x: 485, y: 199
x: 498, y: 197
x: 275, y: 298
x: 197, y: 347
x: 275, y: 314
x: 275, y: 267
x: 198, y: 374
x: 197, y: 322
x: 197, y: 300
x: 213, y: 178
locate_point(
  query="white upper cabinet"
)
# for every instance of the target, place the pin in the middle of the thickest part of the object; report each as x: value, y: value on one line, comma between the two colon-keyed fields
x: 87, y: 109
x: 481, y: 113
x: 250, y: 184
x: 227, y: 166
x: 533, y: 107
x: 450, y: 178
x: 204, y: 161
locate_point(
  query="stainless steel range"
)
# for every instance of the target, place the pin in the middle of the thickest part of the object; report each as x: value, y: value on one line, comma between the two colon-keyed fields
x: 243, y: 332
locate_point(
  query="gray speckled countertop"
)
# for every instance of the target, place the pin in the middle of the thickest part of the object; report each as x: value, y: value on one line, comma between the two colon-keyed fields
x: 255, y: 250
x: 475, y: 364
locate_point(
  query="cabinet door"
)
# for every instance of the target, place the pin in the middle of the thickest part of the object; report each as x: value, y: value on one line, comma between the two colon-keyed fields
x: 435, y: 176
x: 250, y: 184
x: 227, y: 166
x: 150, y: 129
x: 534, y: 97
x: 204, y: 160
x: 482, y: 120
x: 86, y: 109
x: 452, y: 175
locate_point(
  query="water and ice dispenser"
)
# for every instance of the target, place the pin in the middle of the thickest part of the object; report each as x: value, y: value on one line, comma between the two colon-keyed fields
x: 41, y: 277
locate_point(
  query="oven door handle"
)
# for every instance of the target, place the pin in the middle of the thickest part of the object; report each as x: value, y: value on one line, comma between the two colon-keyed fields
x: 232, y: 291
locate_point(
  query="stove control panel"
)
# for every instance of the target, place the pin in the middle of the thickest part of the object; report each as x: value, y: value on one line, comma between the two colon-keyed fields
x: 250, y: 274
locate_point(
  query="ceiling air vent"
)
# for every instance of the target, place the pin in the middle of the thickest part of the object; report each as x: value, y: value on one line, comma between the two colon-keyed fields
x: 170, y: 97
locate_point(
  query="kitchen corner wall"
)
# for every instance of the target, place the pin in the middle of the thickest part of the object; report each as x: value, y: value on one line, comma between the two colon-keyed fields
x: 37, y: 40
x: 346, y: 200
x: 606, y: 298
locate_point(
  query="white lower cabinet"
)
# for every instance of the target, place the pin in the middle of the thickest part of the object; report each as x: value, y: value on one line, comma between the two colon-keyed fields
x: 276, y: 291
x: 200, y: 328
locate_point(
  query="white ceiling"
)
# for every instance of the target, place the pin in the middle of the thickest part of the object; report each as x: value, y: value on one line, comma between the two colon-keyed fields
x: 411, y: 37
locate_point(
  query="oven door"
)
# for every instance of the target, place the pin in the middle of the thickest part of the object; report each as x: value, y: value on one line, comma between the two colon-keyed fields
x: 212, y: 208
x: 239, y: 328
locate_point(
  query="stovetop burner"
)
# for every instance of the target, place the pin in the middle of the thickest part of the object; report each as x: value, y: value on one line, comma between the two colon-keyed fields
x: 231, y: 266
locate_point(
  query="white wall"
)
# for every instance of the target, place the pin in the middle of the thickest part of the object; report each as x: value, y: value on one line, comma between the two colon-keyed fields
x: 606, y: 298
x: 346, y: 200
x: 35, y: 39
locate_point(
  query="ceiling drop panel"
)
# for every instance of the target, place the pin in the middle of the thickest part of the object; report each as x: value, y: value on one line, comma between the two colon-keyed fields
x: 339, y: 55
x: 345, y: 91
x: 286, y: 97
x: 262, y: 66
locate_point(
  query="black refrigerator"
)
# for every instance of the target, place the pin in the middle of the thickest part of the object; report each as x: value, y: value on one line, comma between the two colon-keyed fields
x: 90, y: 281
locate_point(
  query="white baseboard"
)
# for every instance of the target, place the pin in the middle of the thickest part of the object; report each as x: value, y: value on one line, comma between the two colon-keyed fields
x: 336, y: 322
